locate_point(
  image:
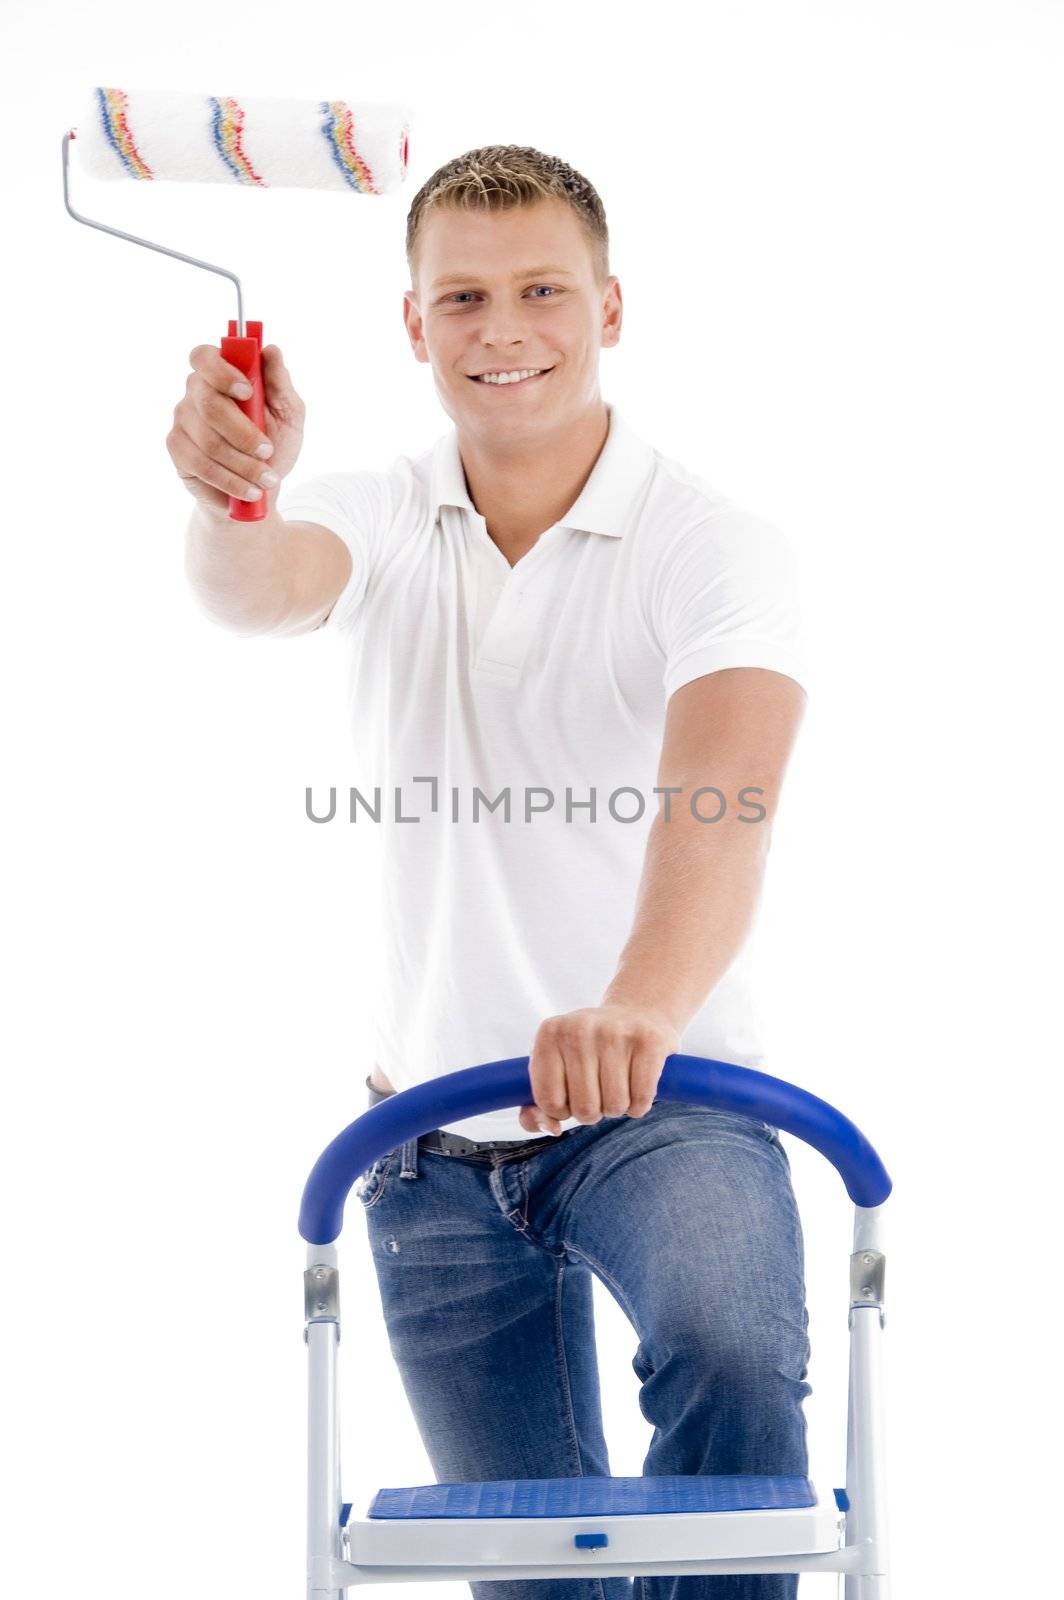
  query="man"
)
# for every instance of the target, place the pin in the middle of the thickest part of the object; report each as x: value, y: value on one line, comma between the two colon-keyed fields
x: 577, y: 665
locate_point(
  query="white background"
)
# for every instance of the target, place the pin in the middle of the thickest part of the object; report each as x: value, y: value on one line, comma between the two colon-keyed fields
x: 838, y: 233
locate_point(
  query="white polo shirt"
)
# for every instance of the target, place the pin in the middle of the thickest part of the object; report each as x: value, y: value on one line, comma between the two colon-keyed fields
x: 547, y: 682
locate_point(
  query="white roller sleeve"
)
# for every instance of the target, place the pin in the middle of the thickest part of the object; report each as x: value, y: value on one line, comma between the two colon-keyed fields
x: 268, y: 143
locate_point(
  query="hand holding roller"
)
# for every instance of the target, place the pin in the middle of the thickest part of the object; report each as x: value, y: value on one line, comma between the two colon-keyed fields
x: 221, y: 454
x: 260, y: 143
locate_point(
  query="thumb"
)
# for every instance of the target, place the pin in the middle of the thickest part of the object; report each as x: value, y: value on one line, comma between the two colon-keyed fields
x: 281, y: 396
x: 274, y: 371
x: 533, y: 1120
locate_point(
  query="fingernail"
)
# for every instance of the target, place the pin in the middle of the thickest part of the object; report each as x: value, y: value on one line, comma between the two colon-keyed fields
x: 241, y: 391
x: 270, y: 479
x: 264, y: 450
x: 251, y: 493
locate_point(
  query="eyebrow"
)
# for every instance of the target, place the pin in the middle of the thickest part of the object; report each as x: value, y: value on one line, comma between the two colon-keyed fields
x: 523, y: 272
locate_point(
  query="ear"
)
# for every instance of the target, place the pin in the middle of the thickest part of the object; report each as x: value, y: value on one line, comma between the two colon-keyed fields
x: 413, y: 324
x: 612, y: 312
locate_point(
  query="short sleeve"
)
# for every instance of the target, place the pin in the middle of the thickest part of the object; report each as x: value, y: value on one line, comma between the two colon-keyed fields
x: 728, y: 595
x: 357, y: 507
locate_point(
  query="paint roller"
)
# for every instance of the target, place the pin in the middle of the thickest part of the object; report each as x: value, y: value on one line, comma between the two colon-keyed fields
x: 267, y: 143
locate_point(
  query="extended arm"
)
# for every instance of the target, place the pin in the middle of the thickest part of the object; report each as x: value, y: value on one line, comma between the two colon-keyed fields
x: 266, y: 577
x: 730, y: 731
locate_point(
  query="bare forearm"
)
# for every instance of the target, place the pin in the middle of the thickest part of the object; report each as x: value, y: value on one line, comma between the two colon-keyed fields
x: 238, y: 570
x: 697, y: 899
x: 698, y: 893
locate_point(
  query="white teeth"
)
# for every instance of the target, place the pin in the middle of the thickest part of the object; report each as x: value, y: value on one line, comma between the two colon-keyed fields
x: 510, y: 377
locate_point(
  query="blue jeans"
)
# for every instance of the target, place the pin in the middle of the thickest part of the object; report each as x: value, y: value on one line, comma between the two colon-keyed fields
x: 485, y: 1263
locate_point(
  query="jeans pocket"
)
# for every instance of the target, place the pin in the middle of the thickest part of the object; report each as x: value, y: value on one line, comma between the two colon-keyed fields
x: 370, y: 1186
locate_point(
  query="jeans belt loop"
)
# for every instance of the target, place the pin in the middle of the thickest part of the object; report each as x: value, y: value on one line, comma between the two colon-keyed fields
x: 408, y: 1160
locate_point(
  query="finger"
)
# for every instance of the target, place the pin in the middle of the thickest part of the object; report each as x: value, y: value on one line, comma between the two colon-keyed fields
x: 615, y: 1065
x: 547, y: 1070
x: 647, y: 1064
x: 208, y: 362
x: 225, y: 417
x: 582, y: 1078
x: 191, y: 459
x: 252, y: 468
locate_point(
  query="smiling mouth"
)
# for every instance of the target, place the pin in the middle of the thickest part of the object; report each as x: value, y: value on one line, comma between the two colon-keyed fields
x: 500, y: 381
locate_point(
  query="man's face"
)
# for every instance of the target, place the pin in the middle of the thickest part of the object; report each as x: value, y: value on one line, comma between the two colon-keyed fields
x: 511, y: 290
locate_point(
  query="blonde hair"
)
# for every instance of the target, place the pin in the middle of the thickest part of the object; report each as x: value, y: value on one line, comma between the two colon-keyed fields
x: 497, y: 177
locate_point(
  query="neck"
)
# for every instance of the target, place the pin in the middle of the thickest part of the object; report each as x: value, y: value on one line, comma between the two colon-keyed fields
x: 521, y: 489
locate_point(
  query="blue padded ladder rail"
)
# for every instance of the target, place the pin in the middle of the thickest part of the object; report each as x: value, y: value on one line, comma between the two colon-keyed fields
x: 500, y: 1085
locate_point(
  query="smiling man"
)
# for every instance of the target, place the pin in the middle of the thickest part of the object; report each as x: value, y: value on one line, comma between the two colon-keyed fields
x: 583, y: 660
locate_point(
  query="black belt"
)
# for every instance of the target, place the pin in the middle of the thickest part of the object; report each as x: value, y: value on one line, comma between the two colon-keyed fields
x: 453, y: 1144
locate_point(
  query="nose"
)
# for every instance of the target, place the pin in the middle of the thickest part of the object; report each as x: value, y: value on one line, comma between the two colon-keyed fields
x: 501, y: 330
x: 503, y: 345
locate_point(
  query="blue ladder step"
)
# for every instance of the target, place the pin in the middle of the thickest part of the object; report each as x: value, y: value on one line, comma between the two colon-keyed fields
x: 593, y: 1497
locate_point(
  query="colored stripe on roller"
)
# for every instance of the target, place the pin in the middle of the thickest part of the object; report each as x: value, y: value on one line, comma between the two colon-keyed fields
x: 227, y: 127
x: 338, y: 128
x: 116, y: 130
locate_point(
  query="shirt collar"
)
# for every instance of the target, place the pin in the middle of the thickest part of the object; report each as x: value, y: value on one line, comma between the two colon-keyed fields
x: 604, y: 505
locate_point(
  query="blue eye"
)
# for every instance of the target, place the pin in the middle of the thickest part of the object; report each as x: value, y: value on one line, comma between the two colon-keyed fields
x: 464, y: 293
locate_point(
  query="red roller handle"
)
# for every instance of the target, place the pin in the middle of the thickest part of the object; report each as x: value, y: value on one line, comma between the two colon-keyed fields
x: 246, y: 353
